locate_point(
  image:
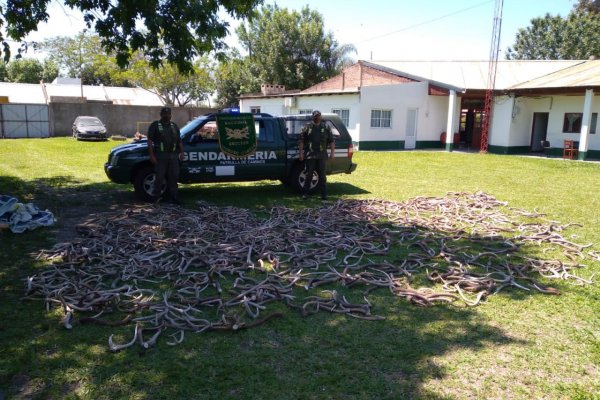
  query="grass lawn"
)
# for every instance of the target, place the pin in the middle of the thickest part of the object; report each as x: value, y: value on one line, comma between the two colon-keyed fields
x: 516, y: 345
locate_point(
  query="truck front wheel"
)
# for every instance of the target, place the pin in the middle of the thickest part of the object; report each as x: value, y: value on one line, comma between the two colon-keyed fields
x: 299, y: 177
x: 143, y: 183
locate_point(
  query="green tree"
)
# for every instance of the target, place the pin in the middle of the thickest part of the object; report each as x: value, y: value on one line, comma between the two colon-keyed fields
x: 49, y: 70
x: 175, y: 30
x: 587, y: 6
x: 556, y: 38
x: 25, y: 70
x: 175, y: 87
x: 73, y: 54
x: 291, y: 48
x: 83, y: 57
x: 233, y: 77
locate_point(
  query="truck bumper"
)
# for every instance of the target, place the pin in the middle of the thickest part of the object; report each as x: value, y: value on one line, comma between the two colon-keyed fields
x: 351, y: 169
x: 116, y: 174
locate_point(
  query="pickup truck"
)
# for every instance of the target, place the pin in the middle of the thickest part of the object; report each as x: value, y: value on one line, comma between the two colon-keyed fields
x: 276, y: 156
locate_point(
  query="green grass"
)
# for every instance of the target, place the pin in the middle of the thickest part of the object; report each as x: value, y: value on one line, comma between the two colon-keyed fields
x: 517, y: 345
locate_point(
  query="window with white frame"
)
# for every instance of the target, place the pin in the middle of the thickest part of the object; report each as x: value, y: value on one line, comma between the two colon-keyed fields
x: 305, y: 111
x: 255, y: 109
x: 343, y: 113
x: 381, y: 118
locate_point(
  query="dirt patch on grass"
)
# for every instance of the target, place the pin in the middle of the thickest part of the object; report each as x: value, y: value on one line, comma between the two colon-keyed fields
x: 73, y: 208
x: 25, y: 387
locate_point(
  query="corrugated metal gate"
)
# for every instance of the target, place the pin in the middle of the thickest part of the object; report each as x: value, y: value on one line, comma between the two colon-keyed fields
x: 24, y: 121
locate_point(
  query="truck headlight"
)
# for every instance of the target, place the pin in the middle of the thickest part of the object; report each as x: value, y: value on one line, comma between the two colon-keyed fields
x: 114, y: 160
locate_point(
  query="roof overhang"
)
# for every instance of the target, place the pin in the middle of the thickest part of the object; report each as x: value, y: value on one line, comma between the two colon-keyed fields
x: 566, y: 91
x: 300, y: 94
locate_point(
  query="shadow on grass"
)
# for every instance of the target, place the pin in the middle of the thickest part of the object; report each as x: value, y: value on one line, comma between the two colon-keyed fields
x: 259, y: 194
x: 65, y: 192
x: 321, y: 356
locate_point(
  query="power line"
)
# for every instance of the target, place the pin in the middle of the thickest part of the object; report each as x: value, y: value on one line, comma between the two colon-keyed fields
x: 428, y: 21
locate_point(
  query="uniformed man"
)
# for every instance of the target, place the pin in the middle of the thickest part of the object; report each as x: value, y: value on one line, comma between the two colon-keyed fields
x: 166, y: 150
x: 315, y: 138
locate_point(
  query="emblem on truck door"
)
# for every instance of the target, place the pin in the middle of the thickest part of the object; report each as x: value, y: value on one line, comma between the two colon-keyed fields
x: 237, y: 135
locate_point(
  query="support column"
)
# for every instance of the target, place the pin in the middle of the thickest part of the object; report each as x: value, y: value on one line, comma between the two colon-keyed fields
x: 585, y: 124
x: 450, y: 124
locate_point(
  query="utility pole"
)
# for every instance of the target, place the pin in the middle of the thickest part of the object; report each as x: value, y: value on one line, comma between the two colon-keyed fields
x: 491, y: 83
x: 81, y: 40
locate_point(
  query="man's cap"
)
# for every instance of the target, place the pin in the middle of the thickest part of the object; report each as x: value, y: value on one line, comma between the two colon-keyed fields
x: 316, y: 113
x: 165, y: 110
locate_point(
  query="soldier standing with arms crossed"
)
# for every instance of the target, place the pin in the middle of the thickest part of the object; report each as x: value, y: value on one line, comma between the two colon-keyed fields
x: 315, y: 137
x: 166, y: 150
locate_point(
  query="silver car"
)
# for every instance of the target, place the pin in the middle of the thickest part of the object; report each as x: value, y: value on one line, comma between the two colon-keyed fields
x: 86, y: 127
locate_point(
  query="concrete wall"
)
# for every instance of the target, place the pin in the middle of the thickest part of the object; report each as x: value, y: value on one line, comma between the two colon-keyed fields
x: 437, y: 118
x: 432, y: 112
x: 119, y: 119
x: 522, y: 121
x: 270, y: 105
x: 565, y: 104
x: 502, y: 122
x: 511, y: 125
x: 323, y: 103
x: 519, y: 119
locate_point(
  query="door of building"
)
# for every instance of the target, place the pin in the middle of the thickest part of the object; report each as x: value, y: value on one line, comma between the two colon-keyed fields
x: 410, y: 141
x: 471, y: 121
x: 539, y: 130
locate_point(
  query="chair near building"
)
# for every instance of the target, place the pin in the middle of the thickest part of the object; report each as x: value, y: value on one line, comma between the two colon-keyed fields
x: 569, y: 150
x: 546, y: 149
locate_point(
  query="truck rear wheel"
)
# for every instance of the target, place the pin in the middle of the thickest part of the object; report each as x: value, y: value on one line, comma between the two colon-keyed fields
x: 143, y: 183
x: 298, y: 178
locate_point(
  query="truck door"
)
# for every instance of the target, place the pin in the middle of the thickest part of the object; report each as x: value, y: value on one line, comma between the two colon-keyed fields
x: 270, y: 158
x: 341, y: 162
x: 201, y: 147
x: 341, y: 150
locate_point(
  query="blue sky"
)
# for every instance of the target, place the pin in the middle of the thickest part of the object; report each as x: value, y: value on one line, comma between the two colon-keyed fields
x: 400, y: 29
x: 392, y: 29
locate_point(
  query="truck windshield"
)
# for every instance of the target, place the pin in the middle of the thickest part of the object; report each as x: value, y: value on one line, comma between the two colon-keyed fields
x: 206, y: 128
x: 192, y: 125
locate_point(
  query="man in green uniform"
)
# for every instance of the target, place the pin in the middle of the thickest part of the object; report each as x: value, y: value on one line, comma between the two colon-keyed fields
x: 166, y: 150
x: 315, y: 137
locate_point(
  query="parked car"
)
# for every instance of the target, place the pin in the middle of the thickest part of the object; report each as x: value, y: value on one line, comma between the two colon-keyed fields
x: 276, y: 156
x: 88, y: 127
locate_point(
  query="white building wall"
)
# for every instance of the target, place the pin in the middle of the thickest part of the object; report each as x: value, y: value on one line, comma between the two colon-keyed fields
x: 511, y: 124
x: 399, y: 98
x: 323, y: 103
x: 502, y: 122
x: 271, y: 105
x: 435, y: 118
x: 326, y: 103
x: 522, y: 125
x: 568, y: 104
x: 556, y: 107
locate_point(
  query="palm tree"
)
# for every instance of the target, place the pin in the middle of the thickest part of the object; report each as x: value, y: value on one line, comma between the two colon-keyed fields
x: 339, y: 57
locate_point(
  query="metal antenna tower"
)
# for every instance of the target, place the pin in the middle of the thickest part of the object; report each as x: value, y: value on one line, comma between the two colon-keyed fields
x: 491, y: 83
